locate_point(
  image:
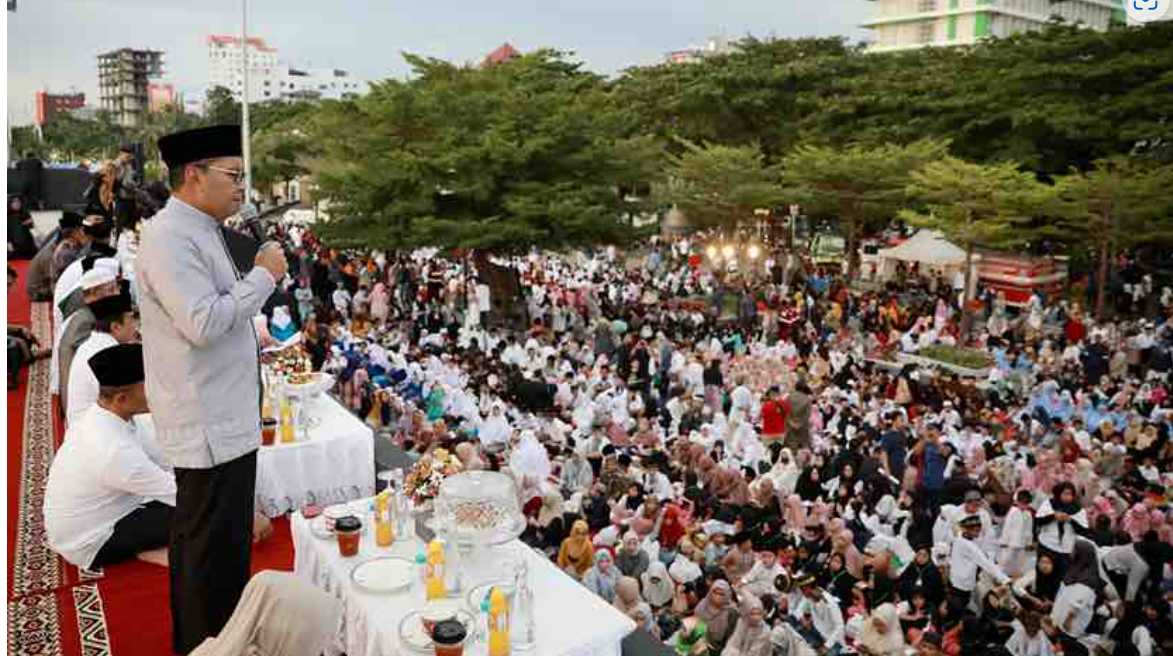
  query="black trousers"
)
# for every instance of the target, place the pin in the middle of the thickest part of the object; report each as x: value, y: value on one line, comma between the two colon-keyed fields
x: 144, y: 529
x: 211, y: 548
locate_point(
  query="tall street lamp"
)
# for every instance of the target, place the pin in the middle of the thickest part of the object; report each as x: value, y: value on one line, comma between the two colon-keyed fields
x: 244, y: 127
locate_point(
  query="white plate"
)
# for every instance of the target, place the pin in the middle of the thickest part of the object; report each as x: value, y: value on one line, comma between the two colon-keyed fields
x: 412, y: 636
x: 383, y: 575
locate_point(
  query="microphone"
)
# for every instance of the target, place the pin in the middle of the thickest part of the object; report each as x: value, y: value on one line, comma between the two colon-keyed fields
x: 251, y: 221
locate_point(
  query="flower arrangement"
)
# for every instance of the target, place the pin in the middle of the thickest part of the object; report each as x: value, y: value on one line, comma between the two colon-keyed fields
x: 292, y: 360
x: 423, y: 482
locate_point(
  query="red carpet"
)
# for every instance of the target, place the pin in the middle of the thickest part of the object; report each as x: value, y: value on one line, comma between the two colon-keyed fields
x: 54, y: 608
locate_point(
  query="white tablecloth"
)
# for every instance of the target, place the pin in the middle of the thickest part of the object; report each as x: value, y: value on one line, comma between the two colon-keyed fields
x: 570, y: 620
x: 336, y: 463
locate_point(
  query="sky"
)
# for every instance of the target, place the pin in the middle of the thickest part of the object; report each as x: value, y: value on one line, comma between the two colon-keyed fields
x: 53, y: 44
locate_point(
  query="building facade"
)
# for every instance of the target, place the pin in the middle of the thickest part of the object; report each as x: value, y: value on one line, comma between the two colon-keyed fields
x: 269, y: 78
x: 906, y: 24
x: 124, y: 80
x: 714, y: 46
x: 47, y: 105
x: 160, y: 96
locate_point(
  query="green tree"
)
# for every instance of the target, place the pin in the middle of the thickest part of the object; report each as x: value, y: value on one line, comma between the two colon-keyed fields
x: 861, y: 188
x: 280, y: 154
x: 70, y: 138
x: 755, y: 94
x: 1050, y: 100
x: 530, y: 153
x: 220, y: 108
x: 1122, y: 202
x: 976, y: 204
x: 159, y: 124
x: 26, y: 142
x: 716, y: 185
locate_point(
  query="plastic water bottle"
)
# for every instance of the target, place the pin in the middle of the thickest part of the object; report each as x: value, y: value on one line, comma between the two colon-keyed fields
x: 420, y: 586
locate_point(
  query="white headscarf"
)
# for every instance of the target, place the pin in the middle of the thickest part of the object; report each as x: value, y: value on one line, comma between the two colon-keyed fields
x: 657, y: 594
x: 787, y: 641
x: 529, y: 458
x: 890, y: 643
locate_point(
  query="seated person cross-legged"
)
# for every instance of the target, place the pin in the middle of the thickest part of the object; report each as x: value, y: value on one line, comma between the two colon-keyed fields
x: 106, y: 500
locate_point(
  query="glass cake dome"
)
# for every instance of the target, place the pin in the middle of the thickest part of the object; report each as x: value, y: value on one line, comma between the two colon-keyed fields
x: 480, y: 508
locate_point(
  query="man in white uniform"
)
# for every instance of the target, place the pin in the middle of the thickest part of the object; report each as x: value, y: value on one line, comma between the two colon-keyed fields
x: 114, y: 323
x: 98, y: 282
x: 106, y: 500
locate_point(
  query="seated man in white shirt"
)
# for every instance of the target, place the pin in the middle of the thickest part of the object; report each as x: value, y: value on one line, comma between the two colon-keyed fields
x: 114, y: 323
x: 819, y: 611
x: 760, y: 581
x: 106, y: 501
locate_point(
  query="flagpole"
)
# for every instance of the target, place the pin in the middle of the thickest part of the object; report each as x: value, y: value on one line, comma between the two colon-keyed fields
x: 244, y: 126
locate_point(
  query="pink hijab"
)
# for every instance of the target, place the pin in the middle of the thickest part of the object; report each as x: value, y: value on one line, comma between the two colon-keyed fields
x: 1136, y: 521
x: 1049, y: 470
x: 1028, y: 477
x: 1101, y: 507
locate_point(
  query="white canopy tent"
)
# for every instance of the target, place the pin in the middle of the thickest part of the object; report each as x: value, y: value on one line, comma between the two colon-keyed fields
x: 927, y: 247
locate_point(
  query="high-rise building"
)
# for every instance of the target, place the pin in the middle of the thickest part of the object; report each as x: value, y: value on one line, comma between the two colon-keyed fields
x: 269, y: 78
x: 226, y: 64
x: 906, y: 24
x: 124, y: 79
x: 47, y: 105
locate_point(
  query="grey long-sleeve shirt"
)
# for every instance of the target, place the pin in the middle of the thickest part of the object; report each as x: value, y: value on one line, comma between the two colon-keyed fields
x: 201, y: 353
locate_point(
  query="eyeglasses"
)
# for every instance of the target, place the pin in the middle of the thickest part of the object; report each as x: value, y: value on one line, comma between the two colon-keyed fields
x: 236, y: 176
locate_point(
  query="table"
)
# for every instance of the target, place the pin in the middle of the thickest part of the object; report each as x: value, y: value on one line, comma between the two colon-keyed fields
x: 335, y: 464
x: 570, y: 620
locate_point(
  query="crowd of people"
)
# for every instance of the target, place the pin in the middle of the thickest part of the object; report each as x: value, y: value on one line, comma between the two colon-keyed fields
x: 734, y: 461
x: 732, y: 458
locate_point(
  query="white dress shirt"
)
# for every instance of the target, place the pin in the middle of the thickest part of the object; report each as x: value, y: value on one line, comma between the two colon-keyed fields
x: 101, y: 474
x: 759, y: 581
x: 964, y: 561
x: 1124, y: 560
x: 67, y: 282
x: 83, y: 384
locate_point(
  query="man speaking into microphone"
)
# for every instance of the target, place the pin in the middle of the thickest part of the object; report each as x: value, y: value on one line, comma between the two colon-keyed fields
x: 203, y: 373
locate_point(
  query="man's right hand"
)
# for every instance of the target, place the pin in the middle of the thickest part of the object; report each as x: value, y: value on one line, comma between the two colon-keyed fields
x: 272, y: 258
